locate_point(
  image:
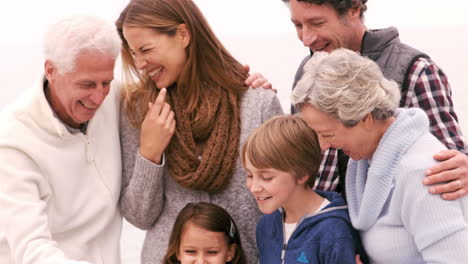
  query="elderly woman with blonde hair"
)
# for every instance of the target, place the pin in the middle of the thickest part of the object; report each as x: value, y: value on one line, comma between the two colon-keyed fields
x: 347, y: 101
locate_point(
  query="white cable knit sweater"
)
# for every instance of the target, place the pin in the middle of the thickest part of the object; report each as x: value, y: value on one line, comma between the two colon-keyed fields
x: 59, y: 191
x: 399, y: 221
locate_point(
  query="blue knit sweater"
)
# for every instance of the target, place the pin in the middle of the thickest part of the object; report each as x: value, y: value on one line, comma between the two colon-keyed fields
x: 399, y: 221
x: 323, y: 237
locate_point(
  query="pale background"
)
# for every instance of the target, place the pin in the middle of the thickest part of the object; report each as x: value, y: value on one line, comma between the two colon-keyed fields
x: 257, y: 32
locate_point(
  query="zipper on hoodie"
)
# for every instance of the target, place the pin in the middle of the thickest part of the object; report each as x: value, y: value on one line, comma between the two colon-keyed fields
x: 283, y: 251
x: 285, y: 243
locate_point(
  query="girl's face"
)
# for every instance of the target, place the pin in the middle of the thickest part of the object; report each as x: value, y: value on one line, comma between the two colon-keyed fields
x: 200, y: 246
x: 158, y: 55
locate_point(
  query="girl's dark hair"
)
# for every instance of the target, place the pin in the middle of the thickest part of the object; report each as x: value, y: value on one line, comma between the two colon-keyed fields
x: 210, y: 217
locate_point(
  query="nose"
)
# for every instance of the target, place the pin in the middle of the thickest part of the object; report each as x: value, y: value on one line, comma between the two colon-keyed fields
x: 200, y: 259
x: 140, y: 63
x: 99, y: 94
x: 324, y: 144
x: 255, y: 186
x: 309, y: 36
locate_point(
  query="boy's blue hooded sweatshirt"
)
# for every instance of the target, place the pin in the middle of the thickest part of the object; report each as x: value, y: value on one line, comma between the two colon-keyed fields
x: 324, y: 237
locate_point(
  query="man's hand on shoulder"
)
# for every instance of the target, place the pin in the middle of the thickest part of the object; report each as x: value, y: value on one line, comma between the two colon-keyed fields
x: 451, y: 173
x: 256, y: 80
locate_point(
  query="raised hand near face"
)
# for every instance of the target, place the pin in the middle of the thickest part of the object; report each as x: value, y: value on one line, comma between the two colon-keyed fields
x: 157, y: 129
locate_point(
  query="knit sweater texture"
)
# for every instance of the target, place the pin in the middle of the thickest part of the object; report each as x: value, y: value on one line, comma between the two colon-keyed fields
x: 151, y: 199
x: 59, y: 191
x: 398, y: 219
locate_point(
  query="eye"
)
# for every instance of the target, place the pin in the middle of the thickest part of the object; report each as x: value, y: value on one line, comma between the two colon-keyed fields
x: 297, y: 25
x: 212, y: 252
x: 87, y: 85
x: 267, y: 178
x: 146, y: 50
x: 318, y: 24
x: 190, y: 251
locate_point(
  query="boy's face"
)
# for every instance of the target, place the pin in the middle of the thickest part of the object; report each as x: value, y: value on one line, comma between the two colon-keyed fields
x: 271, y: 188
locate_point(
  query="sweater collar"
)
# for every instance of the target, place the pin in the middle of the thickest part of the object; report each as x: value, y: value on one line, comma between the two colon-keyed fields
x: 43, y: 114
x: 83, y: 127
x: 368, y: 186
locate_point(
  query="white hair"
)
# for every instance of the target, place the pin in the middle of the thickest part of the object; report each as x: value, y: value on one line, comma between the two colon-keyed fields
x: 67, y: 38
x: 346, y: 86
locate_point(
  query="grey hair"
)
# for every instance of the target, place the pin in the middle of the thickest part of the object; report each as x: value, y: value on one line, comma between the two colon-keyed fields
x: 347, y: 87
x: 67, y: 38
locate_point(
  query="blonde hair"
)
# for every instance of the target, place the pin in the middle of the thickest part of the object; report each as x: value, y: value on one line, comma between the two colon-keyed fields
x: 285, y: 143
x: 209, y: 67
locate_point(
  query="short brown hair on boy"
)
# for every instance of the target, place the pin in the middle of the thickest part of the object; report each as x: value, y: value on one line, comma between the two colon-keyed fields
x: 285, y: 143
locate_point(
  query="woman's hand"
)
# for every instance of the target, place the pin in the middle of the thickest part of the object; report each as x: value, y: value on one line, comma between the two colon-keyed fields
x: 157, y: 129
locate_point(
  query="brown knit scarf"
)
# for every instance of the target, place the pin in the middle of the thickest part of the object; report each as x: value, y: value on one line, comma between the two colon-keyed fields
x: 220, y: 131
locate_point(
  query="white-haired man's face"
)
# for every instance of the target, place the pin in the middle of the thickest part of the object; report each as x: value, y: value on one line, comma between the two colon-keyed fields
x: 75, y: 96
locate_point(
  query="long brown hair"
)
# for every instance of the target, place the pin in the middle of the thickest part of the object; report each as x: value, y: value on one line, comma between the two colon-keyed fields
x: 210, y: 217
x: 209, y: 65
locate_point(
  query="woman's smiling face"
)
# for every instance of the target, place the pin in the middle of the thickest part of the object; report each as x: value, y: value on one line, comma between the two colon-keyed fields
x: 161, y: 56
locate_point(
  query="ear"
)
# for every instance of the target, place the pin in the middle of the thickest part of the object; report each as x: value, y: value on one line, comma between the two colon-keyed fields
x: 231, y: 252
x: 50, y: 70
x: 355, y: 12
x: 303, y: 179
x: 184, y: 35
x: 368, y: 121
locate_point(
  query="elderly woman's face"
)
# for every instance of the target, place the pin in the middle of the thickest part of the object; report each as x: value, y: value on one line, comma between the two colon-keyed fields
x: 355, y: 141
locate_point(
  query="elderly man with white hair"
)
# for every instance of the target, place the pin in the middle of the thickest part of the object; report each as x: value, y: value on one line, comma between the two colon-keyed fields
x: 60, y: 152
x: 347, y: 101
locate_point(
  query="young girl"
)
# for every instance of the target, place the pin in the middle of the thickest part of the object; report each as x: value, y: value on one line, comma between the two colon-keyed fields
x: 282, y: 158
x: 205, y: 233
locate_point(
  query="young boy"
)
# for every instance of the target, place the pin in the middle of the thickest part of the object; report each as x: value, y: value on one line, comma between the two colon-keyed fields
x: 300, y: 225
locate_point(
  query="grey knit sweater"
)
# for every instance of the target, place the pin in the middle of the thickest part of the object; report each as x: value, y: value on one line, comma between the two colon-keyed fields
x: 151, y: 199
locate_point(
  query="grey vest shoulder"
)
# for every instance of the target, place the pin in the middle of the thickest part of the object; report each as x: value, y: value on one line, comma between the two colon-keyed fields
x: 384, y: 47
x: 394, y: 58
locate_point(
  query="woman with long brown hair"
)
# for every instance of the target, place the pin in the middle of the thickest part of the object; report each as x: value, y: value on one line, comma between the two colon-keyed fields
x: 181, y: 144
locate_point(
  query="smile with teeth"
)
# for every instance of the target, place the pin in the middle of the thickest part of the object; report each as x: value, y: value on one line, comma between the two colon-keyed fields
x: 156, y: 71
x: 263, y: 198
x: 90, y: 107
x: 321, y: 47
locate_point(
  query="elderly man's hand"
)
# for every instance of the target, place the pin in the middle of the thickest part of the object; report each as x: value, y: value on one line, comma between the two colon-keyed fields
x: 257, y: 80
x: 452, y: 172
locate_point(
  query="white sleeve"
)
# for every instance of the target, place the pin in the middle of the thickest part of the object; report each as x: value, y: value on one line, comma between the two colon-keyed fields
x: 439, y: 227
x: 24, y: 194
